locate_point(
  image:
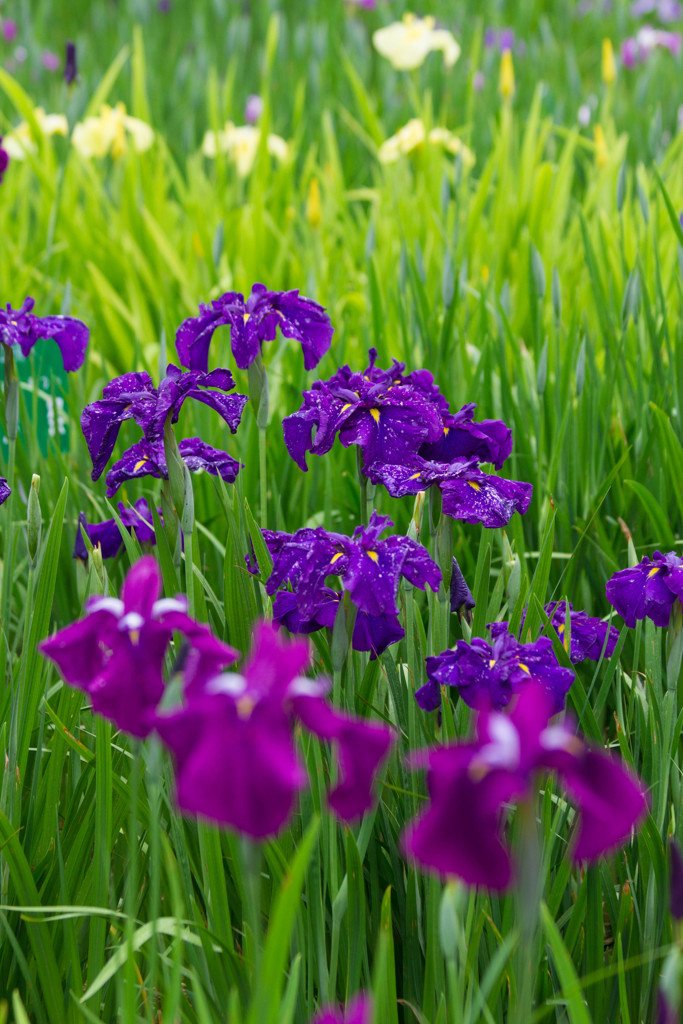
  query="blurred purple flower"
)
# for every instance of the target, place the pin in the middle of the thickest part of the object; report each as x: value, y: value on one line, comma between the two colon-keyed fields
x: 478, y: 81
x: 70, y: 66
x: 9, y: 30
x: 164, y: 6
x: 23, y: 328
x: 666, y: 10
x: 502, y: 39
x: 253, y: 322
x: 233, y: 742
x: 648, y: 590
x: 636, y: 49
x: 253, y: 108
x: 489, y: 676
x: 469, y: 785
x: 137, y: 518
x: 4, y: 160
x: 358, y: 1011
x: 50, y: 60
x: 116, y: 652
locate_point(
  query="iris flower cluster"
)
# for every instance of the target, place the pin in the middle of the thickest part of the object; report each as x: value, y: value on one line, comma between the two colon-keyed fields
x: 409, y: 440
x: 133, y: 396
x: 138, y: 518
x: 474, y: 782
x: 233, y: 736
x: 369, y: 568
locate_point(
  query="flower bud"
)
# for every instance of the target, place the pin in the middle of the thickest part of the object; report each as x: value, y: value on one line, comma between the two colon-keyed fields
x: 609, y: 67
x: 314, y: 209
x: 506, y: 82
x: 34, y: 521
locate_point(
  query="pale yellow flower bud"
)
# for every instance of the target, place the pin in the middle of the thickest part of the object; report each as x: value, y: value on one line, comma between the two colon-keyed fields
x: 506, y: 82
x: 609, y: 67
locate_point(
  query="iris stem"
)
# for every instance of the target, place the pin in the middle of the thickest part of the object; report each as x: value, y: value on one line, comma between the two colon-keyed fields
x: 189, y: 574
x: 251, y: 858
x: 528, y: 895
x: 363, y: 483
x: 8, y: 552
x: 263, y: 479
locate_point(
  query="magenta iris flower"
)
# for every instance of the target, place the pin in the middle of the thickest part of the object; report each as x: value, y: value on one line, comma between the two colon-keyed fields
x: 234, y: 741
x: 253, y: 322
x: 470, y: 784
x: 370, y: 570
x: 589, y: 635
x: 648, y: 590
x: 137, y: 519
x: 488, y: 676
x: 23, y: 328
x: 116, y: 652
x: 358, y: 1011
x: 147, y: 458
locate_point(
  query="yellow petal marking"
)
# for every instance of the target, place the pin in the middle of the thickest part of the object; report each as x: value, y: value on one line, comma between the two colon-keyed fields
x: 373, y: 555
x: 475, y: 486
x: 140, y: 464
x: 524, y: 668
x: 340, y: 554
x: 653, y: 571
x: 375, y: 415
x: 345, y: 407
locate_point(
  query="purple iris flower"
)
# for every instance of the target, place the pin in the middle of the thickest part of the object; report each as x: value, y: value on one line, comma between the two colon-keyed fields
x: 636, y: 49
x: 70, y: 65
x: 502, y: 39
x: 469, y: 784
x: 467, y: 492
x: 116, y: 653
x: 387, y: 415
x: 10, y: 30
x: 463, y: 437
x: 23, y: 328
x: 373, y: 633
x: 4, y: 490
x: 488, y: 676
x: 234, y: 749
x: 648, y: 590
x: 147, y: 458
x: 133, y: 396
x: 253, y: 322
x: 107, y: 534
x: 4, y: 160
x: 370, y: 568
x: 588, y: 634
x: 358, y: 1011
x: 129, y: 397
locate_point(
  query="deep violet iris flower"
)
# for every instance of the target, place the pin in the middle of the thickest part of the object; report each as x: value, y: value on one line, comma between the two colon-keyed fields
x: 358, y: 1011
x: 147, y: 458
x: 467, y: 492
x: 373, y: 633
x: 469, y: 784
x: 587, y: 634
x: 137, y: 517
x: 648, y: 590
x: 116, y: 652
x: 133, y: 396
x: 370, y: 571
x: 4, y: 490
x: 253, y: 322
x: 23, y: 328
x: 234, y: 748
x: 487, y: 676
